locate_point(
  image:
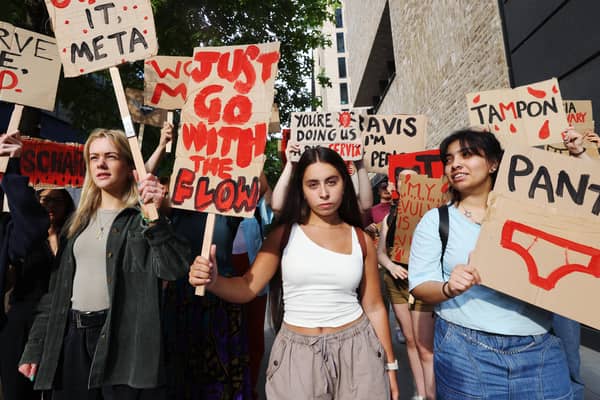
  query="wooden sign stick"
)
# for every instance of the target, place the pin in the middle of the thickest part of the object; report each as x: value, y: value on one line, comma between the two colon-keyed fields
x: 209, y: 228
x: 141, y: 134
x: 170, y: 120
x: 13, y: 126
x: 130, y: 133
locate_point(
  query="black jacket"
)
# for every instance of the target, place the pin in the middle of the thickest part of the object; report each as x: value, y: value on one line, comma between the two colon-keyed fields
x: 129, y: 350
x: 25, y: 227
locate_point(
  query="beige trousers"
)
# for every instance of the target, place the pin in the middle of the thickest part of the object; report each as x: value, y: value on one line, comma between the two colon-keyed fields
x: 349, y: 364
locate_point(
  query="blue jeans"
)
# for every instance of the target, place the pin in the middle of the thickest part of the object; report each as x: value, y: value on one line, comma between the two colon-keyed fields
x: 569, y: 332
x: 471, y: 364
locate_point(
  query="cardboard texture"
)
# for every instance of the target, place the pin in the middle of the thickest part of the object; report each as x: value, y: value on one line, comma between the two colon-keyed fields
x: 528, y: 115
x: 29, y: 67
x: 142, y: 113
x: 540, y: 239
x: 165, y: 81
x: 384, y: 135
x: 220, y: 151
x: 338, y: 130
x: 52, y: 165
x: 426, y: 162
x: 94, y: 36
x: 418, y: 194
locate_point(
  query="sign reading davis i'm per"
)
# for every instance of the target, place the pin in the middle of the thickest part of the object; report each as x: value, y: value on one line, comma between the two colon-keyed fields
x: 93, y: 35
x: 385, y: 135
x: 29, y: 67
x: 528, y: 115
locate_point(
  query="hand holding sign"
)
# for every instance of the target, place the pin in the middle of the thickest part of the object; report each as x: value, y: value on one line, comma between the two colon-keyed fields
x: 11, y: 145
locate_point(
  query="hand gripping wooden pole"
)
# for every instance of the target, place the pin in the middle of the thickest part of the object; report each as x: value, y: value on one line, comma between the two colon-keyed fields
x: 209, y: 228
x: 130, y: 133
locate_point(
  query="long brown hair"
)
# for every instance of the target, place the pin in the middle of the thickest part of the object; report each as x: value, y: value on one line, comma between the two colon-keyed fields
x: 91, y: 194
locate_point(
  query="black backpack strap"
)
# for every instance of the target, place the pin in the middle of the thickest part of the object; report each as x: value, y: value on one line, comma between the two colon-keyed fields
x: 444, y: 228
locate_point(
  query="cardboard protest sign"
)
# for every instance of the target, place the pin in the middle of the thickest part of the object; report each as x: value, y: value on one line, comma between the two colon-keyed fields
x: 339, y: 131
x: 426, y: 162
x: 220, y: 153
x: 528, y: 115
x: 580, y: 116
x: 94, y: 36
x: 418, y: 194
x: 165, y: 81
x: 29, y: 67
x: 540, y: 240
x: 50, y: 164
x: 384, y: 135
x: 141, y: 113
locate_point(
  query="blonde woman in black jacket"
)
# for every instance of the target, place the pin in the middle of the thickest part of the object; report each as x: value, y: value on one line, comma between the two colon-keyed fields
x: 97, y: 334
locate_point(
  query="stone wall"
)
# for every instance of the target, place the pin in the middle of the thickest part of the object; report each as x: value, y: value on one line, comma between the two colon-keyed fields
x: 443, y: 49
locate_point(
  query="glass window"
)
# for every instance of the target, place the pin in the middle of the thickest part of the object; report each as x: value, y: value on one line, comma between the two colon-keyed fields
x: 340, y: 42
x: 343, y: 93
x: 339, y: 23
x: 342, y: 67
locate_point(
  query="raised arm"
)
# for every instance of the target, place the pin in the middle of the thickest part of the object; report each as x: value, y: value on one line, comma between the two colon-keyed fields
x: 166, y: 135
x: 29, y: 221
x: 241, y: 289
x: 281, y: 188
x: 365, y: 194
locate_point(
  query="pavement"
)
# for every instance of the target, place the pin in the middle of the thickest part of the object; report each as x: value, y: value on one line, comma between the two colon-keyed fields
x: 590, y: 369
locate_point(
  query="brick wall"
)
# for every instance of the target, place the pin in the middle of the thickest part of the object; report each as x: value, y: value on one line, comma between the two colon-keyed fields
x: 443, y: 49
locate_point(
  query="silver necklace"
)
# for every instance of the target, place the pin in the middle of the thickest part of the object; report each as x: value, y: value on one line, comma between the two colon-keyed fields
x: 100, y: 233
x: 467, y: 213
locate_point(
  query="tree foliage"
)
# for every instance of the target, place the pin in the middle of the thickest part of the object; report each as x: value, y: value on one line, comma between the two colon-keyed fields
x: 182, y: 25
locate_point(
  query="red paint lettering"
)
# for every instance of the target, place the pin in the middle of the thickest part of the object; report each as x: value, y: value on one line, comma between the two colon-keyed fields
x: 238, y: 110
x: 268, y: 60
x: 206, y: 59
x: 213, y: 111
x: 179, y: 90
x: 183, y: 188
x: 12, y: 80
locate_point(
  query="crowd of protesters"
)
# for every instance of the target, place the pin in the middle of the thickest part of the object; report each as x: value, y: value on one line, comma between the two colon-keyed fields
x: 98, y: 298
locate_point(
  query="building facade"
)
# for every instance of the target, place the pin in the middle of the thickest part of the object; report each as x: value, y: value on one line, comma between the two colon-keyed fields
x: 331, y: 62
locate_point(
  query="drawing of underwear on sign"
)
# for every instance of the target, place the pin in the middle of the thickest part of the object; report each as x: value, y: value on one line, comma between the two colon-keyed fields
x: 539, y: 240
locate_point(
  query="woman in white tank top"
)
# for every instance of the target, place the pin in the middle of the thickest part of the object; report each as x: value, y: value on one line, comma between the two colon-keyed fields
x: 335, y: 340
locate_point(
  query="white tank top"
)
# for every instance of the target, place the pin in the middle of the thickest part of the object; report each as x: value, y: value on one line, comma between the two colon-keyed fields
x: 319, y: 285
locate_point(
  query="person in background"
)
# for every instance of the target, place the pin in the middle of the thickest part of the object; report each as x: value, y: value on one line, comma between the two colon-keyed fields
x: 414, y: 316
x: 21, y: 231
x: 97, y: 332
x: 487, y: 345
x: 335, y: 339
x: 246, y: 245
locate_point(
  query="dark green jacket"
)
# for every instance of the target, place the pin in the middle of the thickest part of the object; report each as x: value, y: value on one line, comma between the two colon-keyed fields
x: 129, y: 350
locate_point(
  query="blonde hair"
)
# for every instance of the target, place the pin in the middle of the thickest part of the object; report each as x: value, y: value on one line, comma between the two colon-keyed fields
x: 91, y: 194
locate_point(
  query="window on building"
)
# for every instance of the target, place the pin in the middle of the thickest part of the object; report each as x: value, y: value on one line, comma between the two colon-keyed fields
x: 343, y: 93
x: 340, y: 42
x: 339, y: 23
x: 342, y: 67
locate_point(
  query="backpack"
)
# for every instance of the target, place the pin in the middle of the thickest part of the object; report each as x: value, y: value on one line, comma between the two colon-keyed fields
x: 443, y: 229
x: 275, y: 286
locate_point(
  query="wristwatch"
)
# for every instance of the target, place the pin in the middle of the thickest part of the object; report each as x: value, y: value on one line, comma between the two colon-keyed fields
x: 393, y: 366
